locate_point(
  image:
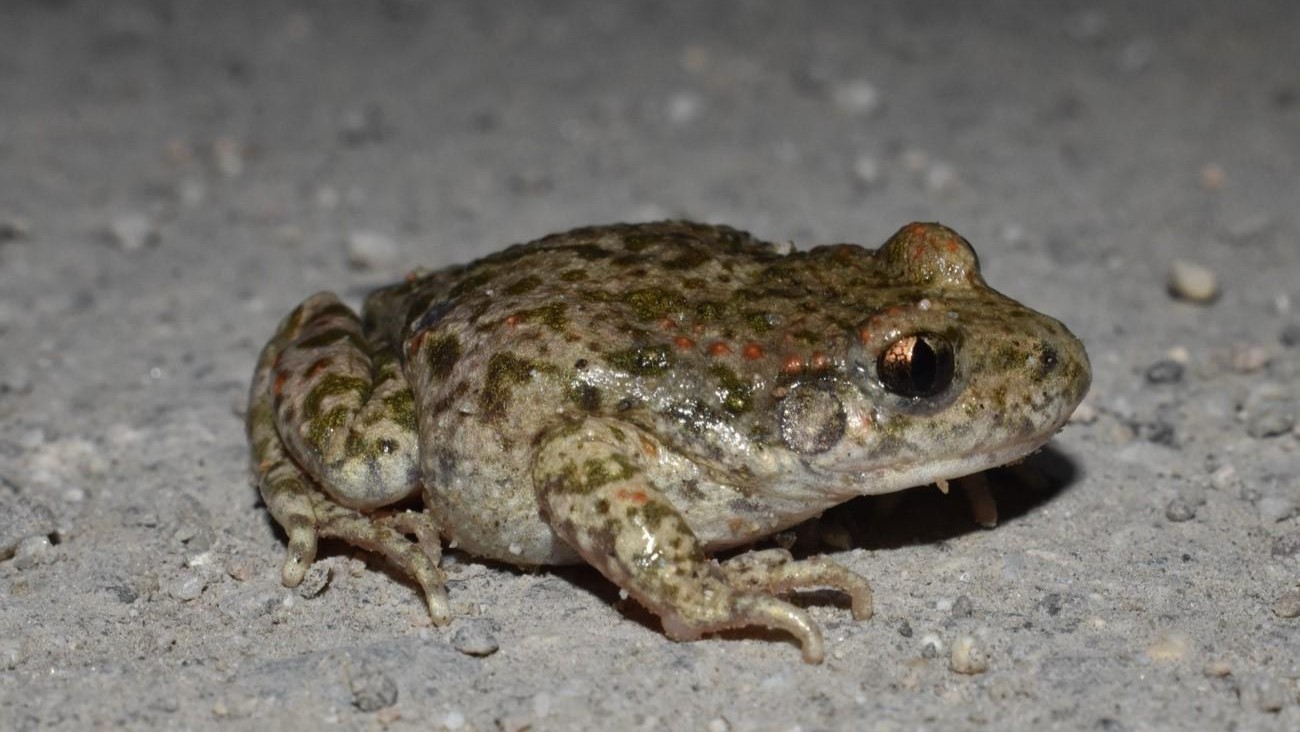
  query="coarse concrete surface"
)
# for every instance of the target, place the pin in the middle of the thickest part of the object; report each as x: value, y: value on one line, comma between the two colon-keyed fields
x: 175, y: 175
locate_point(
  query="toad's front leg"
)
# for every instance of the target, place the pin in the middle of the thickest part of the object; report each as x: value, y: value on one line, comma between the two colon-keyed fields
x: 596, y: 492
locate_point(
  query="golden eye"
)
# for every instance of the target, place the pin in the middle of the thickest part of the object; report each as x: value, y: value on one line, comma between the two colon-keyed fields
x: 919, y: 365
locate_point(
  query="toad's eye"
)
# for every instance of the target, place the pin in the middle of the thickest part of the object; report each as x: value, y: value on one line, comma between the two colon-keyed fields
x: 919, y: 365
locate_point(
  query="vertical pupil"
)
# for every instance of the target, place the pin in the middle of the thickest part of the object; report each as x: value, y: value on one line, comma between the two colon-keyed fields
x: 925, y: 364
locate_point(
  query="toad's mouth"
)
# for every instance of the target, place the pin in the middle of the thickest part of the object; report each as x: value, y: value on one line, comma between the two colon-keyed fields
x: 890, y: 478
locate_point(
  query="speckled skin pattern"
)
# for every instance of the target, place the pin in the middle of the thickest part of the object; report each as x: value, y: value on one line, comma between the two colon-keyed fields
x: 637, y: 396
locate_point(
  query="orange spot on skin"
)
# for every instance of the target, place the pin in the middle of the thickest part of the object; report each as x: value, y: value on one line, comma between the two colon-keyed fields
x: 819, y: 361
x: 667, y: 324
x: 512, y: 320
x: 316, y: 368
x: 792, y: 364
x: 280, y: 378
x: 718, y: 348
x: 648, y: 448
x: 414, y: 343
x: 752, y: 351
x: 635, y: 497
x: 864, y: 335
x: 683, y: 343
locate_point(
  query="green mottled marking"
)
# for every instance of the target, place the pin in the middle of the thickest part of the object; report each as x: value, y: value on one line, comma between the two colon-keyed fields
x: 573, y: 275
x: 441, y: 354
x: 736, y: 392
x: 504, y: 372
x: 655, y: 513
x: 523, y: 285
x: 597, y: 472
x: 586, y: 396
x: 759, y: 321
x: 471, y: 282
x: 642, y: 360
x: 333, y: 385
x: 709, y: 310
x: 650, y: 303
x: 322, y: 426
x: 690, y: 258
x: 400, y: 409
x: 552, y: 315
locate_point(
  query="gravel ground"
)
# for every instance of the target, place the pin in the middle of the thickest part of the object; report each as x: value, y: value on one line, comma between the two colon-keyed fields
x: 176, y: 175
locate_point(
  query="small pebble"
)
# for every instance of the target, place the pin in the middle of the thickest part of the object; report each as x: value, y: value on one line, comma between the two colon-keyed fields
x: 719, y: 724
x: 371, y: 250
x: 1261, y: 693
x: 967, y: 657
x: 1166, y: 371
x: 1290, y: 336
x: 474, y: 639
x: 1248, y: 228
x: 363, y: 125
x: 1180, y: 510
x: 1224, y: 478
x: 1269, y: 423
x: 315, y: 581
x: 1287, y: 604
x: 1085, y: 413
x: 856, y: 97
x: 962, y: 607
x: 1249, y: 359
x: 372, y: 691
x: 1192, y: 282
x: 905, y: 629
x: 1274, y: 509
x: 866, y: 171
x: 940, y: 178
x: 228, y: 156
x: 13, y: 229
x: 1212, y: 176
x: 1287, y: 545
x: 33, y: 551
x: 684, y: 108
x: 11, y: 654
x: 132, y: 232
x: 930, y: 646
x: 20, y: 520
x: 186, y: 587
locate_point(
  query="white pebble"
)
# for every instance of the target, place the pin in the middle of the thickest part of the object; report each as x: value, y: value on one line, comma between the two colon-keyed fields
x: 684, y: 108
x: 32, y: 551
x: 132, y: 232
x: 186, y: 587
x: 857, y: 97
x: 866, y: 171
x: 11, y: 654
x: 967, y: 657
x: 940, y: 178
x: 1192, y: 282
x: 228, y: 156
x: 371, y: 250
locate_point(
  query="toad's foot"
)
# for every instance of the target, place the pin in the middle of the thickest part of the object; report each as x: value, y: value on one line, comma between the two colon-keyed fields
x: 596, y: 495
x: 775, y: 571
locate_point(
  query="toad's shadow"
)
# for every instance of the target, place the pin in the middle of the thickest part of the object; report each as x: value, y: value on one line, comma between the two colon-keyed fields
x: 921, y: 515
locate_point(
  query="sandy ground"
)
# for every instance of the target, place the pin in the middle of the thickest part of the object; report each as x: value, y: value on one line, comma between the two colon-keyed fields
x: 174, y: 176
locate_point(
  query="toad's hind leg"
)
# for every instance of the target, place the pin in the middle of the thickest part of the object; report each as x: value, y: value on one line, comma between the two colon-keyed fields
x: 332, y: 430
x: 596, y: 495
